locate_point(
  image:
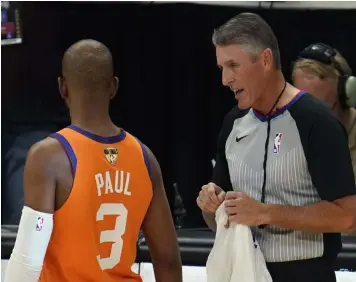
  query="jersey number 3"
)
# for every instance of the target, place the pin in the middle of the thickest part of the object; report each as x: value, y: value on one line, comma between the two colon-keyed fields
x: 114, y: 236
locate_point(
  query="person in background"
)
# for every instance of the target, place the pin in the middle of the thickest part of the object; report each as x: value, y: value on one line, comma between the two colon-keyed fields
x: 325, y: 74
x: 29, y: 113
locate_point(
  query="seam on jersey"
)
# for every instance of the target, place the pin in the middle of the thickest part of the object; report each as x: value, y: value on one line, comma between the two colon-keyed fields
x: 68, y: 149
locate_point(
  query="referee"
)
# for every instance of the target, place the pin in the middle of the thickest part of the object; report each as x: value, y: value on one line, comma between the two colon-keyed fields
x: 283, y: 162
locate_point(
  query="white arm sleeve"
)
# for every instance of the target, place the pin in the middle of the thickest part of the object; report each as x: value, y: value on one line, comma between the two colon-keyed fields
x: 30, y: 248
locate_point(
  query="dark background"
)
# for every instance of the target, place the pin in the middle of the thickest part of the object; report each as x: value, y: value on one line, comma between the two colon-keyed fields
x: 170, y: 92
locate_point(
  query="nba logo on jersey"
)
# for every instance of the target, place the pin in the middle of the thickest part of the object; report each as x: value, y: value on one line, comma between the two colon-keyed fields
x: 39, y: 223
x: 277, y: 143
x: 111, y: 155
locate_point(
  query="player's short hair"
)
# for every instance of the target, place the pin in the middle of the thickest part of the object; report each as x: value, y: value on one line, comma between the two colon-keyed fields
x: 251, y: 32
x: 88, y: 65
x: 324, y: 71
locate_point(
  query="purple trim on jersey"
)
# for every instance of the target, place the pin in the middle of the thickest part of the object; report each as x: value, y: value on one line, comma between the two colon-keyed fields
x: 69, y: 150
x: 279, y: 111
x: 145, y: 156
x: 98, y: 138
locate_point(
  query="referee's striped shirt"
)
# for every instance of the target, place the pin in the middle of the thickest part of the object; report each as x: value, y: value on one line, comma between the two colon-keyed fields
x: 307, y: 161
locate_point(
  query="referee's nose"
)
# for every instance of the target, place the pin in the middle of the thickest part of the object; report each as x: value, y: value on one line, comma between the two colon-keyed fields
x: 227, y: 77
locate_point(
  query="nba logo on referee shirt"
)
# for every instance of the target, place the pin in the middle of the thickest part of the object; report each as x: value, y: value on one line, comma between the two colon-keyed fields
x: 277, y: 143
x: 39, y: 224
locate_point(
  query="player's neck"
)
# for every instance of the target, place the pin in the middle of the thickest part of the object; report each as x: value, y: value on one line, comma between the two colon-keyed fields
x: 98, y: 122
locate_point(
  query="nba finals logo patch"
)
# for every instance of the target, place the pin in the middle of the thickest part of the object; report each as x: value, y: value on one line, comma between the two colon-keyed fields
x: 277, y: 143
x: 39, y: 224
x: 111, y: 155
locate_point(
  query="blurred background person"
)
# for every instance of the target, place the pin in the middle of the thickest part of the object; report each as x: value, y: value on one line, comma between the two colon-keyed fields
x: 30, y: 109
x: 325, y: 74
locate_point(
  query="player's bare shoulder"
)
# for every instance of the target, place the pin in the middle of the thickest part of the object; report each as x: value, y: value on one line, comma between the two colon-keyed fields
x: 45, y: 164
x: 48, y: 154
x: 47, y: 160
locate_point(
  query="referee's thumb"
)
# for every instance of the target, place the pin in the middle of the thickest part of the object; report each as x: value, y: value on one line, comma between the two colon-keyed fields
x: 215, y: 188
x: 221, y: 196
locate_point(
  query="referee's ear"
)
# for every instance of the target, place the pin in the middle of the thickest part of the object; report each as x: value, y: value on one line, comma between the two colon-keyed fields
x: 267, y: 59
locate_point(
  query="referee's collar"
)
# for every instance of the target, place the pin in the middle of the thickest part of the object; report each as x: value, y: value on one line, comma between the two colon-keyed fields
x: 263, y: 117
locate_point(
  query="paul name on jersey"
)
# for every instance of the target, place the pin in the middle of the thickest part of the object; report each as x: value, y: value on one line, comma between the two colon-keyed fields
x: 111, y: 182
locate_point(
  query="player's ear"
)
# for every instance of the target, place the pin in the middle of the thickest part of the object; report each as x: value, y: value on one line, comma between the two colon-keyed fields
x: 62, y: 87
x: 115, y: 86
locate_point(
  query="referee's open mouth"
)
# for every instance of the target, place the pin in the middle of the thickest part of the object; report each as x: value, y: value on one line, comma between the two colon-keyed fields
x: 238, y: 92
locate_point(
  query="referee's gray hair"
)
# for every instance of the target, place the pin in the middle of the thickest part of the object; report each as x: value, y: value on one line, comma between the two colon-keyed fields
x: 251, y: 32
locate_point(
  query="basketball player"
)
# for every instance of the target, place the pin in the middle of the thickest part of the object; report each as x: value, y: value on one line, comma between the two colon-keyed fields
x: 89, y: 189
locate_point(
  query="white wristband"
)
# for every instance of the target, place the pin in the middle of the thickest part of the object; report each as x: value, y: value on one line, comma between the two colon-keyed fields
x: 30, y: 248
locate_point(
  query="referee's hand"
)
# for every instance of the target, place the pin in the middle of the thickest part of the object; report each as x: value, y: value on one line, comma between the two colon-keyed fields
x: 210, y: 197
x: 244, y: 210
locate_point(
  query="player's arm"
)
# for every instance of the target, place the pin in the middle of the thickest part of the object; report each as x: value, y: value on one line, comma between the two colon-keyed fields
x: 36, y: 222
x: 159, y: 231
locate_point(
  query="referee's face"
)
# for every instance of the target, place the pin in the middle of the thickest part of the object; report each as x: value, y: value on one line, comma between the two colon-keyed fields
x: 243, y: 75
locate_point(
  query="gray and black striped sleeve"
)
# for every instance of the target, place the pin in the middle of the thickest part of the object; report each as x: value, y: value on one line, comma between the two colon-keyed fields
x: 221, y: 175
x: 325, y: 144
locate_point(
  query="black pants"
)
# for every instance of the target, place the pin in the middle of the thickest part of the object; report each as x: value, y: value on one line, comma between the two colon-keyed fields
x: 311, y: 270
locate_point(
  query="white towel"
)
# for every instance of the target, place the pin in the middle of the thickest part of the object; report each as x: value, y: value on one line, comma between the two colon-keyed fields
x: 235, y: 256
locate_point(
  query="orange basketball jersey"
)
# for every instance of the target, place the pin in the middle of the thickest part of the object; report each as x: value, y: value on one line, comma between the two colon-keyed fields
x: 95, y: 231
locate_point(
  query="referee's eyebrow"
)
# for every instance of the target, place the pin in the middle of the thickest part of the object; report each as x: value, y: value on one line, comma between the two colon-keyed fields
x: 231, y: 61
